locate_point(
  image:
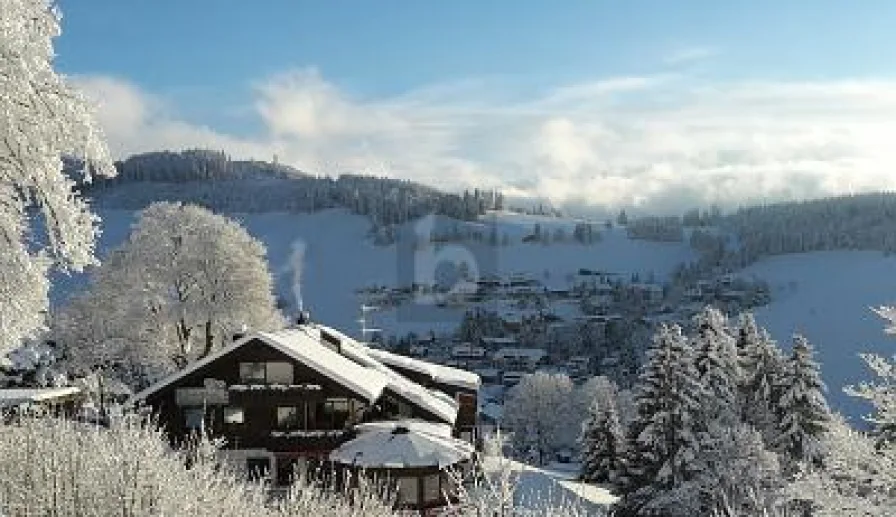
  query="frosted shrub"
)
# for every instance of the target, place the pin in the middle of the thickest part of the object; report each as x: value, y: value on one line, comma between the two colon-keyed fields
x: 61, y: 468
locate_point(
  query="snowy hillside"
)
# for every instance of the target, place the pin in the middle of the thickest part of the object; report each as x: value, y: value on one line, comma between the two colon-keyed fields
x: 340, y: 257
x: 826, y: 296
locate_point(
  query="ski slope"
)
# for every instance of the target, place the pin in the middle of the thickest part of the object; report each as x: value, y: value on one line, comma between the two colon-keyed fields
x: 826, y: 296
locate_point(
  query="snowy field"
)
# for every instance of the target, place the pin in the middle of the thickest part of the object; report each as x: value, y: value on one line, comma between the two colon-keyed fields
x: 826, y: 296
x: 339, y: 257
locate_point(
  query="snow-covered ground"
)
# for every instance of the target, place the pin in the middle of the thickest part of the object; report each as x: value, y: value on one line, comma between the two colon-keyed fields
x: 555, y: 482
x: 339, y: 257
x: 826, y: 296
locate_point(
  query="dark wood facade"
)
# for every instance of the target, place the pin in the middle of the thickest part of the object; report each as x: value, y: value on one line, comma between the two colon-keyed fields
x: 276, y: 413
x: 310, y: 413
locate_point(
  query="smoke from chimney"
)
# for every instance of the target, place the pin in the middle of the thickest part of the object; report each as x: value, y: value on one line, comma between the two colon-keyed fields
x: 297, y: 262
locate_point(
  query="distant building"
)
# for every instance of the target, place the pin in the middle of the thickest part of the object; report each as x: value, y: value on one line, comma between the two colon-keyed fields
x: 525, y: 359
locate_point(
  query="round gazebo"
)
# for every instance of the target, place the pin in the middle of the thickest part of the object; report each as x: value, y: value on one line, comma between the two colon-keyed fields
x: 417, y: 456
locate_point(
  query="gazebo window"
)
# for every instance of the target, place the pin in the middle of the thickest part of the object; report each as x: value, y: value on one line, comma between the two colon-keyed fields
x: 193, y: 418
x: 407, y: 490
x: 431, y: 490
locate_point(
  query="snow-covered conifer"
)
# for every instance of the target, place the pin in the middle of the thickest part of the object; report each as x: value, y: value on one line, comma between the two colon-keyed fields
x: 762, y: 367
x: 802, y: 408
x: 663, y: 439
x: 44, y: 223
x: 716, y: 362
x: 603, y: 444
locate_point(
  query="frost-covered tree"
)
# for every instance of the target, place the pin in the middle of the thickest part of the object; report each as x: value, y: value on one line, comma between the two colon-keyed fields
x: 738, y: 476
x: 44, y: 223
x: 540, y: 411
x: 716, y: 362
x: 762, y: 367
x: 882, y: 393
x: 858, y: 478
x: 603, y: 443
x: 182, y: 284
x: 802, y: 408
x: 663, y: 439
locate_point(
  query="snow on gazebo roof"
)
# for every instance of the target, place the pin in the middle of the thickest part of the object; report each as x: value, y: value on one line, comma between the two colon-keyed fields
x: 401, y: 447
x: 424, y: 426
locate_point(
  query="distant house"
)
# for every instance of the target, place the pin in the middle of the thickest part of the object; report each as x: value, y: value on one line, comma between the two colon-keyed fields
x: 525, y: 359
x: 58, y: 401
x: 286, y: 400
x: 494, y: 343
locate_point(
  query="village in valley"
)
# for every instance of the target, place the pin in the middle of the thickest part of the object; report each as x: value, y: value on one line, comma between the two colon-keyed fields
x: 592, y: 323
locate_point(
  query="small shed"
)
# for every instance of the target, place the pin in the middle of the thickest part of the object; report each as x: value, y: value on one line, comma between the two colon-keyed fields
x: 58, y: 401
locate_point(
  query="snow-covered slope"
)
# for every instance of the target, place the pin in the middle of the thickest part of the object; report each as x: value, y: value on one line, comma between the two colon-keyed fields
x: 826, y: 296
x: 339, y: 257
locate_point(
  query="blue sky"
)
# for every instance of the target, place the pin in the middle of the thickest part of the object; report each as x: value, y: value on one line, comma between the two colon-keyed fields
x: 539, y: 98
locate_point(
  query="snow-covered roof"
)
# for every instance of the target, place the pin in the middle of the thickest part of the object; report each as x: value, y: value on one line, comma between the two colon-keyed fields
x: 436, y: 402
x: 14, y: 396
x: 439, y: 373
x: 402, y: 447
x: 499, y: 340
x: 302, y: 344
x: 530, y: 353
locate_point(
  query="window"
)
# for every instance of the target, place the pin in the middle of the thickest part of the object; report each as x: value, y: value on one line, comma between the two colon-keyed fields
x: 234, y: 415
x: 279, y: 373
x: 193, y: 418
x: 258, y: 468
x: 289, y: 417
x: 407, y: 490
x: 332, y: 413
x: 431, y: 490
x: 252, y: 373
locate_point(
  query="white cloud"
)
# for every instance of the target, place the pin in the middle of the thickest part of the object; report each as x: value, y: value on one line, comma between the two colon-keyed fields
x: 660, y: 143
x: 686, y: 55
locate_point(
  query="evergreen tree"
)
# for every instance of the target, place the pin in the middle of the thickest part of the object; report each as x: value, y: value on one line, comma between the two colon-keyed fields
x: 802, y: 408
x: 663, y: 442
x: 761, y: 372
x: 603, y: 443
x: 716, y: 362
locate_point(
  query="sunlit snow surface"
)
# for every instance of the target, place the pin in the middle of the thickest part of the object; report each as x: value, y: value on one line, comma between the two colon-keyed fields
x: 826, y: 296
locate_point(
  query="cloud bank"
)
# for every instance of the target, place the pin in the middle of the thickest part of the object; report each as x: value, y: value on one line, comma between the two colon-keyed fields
x: 656, y: 143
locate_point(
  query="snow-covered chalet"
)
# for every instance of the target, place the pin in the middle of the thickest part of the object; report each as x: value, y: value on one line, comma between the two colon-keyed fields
x: 289, y: 399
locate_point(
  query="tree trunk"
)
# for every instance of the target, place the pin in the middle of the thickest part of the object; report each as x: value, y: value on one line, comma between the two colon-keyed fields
x: 209, y: 339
